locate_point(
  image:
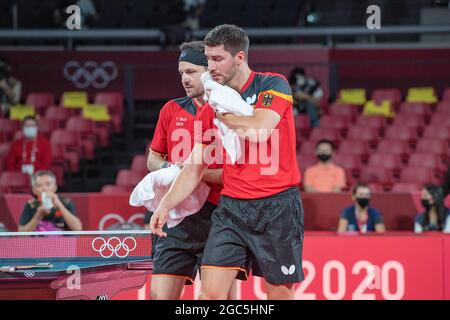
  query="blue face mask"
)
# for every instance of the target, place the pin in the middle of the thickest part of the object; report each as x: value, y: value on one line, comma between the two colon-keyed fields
x: 30, y: 132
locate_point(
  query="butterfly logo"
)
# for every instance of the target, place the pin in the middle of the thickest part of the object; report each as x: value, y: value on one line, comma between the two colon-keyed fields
x: 287, y: 271
x: 251, y: 100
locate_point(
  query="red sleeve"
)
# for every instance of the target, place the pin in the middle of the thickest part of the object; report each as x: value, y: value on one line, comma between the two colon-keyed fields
x: 275, y: 101
x: 159, y: 141
x: 12, y: 162
x: 205, y: 130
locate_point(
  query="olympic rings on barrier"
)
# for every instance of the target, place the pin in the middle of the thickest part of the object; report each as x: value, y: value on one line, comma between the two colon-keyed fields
x: 107, y: 248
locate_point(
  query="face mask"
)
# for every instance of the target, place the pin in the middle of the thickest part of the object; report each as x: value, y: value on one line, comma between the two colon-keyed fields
x: 426, y: 204
x: 30, y: 132
x: 300, y: 80
x: 324, y: 157
x: 363, y: 202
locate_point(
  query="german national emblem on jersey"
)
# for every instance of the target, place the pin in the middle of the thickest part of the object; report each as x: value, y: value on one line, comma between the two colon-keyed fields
x: 267, y: 100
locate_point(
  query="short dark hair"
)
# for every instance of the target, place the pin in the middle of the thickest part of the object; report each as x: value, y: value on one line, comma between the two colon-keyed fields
x: 42, y: 173
x: 232, y: 37
x: 29, y: 118
x: 359, y: 185
x: 195, y: 45
x: 331, y: 143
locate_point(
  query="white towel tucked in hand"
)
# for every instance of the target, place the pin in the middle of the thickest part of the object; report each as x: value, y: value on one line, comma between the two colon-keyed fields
x: 150, y: 191
x: 226, y: 100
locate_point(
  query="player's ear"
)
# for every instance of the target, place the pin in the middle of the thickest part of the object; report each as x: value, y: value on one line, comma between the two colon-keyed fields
x: 240, y: 58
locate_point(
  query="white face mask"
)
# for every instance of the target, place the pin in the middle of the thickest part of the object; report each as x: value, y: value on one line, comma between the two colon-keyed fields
x: 30, y: 132
x: 300, y: 80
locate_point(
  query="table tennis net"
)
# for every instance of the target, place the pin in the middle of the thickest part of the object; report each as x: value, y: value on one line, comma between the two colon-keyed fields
x: 127, y: 245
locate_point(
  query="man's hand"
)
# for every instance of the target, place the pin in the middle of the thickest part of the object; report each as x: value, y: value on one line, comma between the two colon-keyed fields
x: 158, y: 220
x: 55, y: 199
x: 41, y: 212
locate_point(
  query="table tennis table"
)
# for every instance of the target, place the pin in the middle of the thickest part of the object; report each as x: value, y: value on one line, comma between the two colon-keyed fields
x: 73, y: 265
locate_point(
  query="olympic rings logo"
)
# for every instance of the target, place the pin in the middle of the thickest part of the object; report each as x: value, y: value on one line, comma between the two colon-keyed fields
x: 90, y: 73
x: 29, y: 274
x: 114, y: 246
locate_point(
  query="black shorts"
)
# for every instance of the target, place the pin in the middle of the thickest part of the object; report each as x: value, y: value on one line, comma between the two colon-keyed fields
x: 264, y: 235
x: 180, y: 253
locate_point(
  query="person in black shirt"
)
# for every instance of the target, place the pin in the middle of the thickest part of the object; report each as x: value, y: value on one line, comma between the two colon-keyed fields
x: 307, y: 94
x: 47, y: 211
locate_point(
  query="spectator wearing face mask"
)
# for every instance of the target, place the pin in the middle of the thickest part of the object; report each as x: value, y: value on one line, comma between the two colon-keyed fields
x: 325, y: 176
x: 361, y: 217
x: 436, y: 216
x: 31, y: 153
x: 307, y: 94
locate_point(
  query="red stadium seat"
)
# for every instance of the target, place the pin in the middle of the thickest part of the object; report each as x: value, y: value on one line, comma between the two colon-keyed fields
x: 396, y: 147
x: 308, y: 147
x: 440, y: 120
x: 376, y: 175
x: 14, y: 182
x: 88, y: 130
x: 385, y: 160
x: 41, y: 101
x: 419, y: 175
x: 443, y: 107
x: 354, y: 147
x: 112, y: 189
x: 59, y: 114
x: 409, y: 120
x: 348, y: 162
x: 415, y: 108
x: 404, y: 187
x: 426, y: 160
x: 369, y: 134
x: 302, y: 126
x: 139, y: 163
x: 8, y: 128
x: 401, y: 133
x: 376, y: 122
x: 304, y: 161
x: 446, y: 95
x: 337, y: 122
x: 71, y: 140
x: 69, y: 160
x: 437, y: 132
x: 433, y: 146
x: 348, y: 110
x: 114, y: 101
x: 47, y: 126
x: 325, y: 133
x: 128, y: 178
x: 392, y: 95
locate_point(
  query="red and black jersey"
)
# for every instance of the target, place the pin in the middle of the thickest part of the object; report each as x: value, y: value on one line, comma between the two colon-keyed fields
x: 174, y: 135
x: 250, y: 179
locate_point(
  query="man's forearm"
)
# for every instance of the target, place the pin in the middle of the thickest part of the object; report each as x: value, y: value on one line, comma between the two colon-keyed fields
x: 155, y: 161
x: 185, y: 183
x: 213, y: 176
x: 30, y: 226
x: 72, y: 221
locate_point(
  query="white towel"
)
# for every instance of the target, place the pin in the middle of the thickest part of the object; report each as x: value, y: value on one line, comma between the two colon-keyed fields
x: 225, y: 99
x: 150, y: 191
